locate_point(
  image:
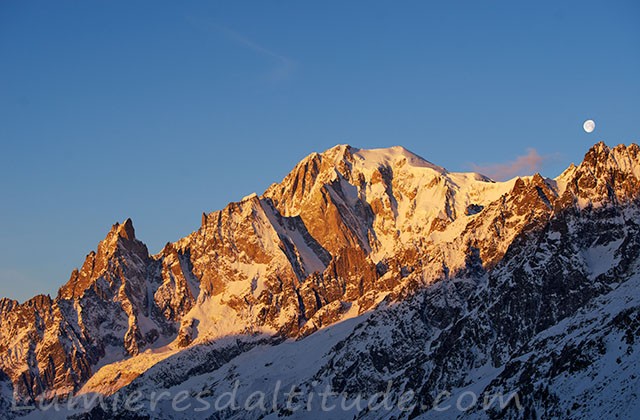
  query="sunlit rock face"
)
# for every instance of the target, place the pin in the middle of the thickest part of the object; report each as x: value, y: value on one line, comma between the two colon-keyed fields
x: 377, y: 265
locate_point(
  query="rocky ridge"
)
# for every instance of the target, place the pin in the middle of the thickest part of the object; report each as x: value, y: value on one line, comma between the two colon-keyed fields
x: 436, y: 280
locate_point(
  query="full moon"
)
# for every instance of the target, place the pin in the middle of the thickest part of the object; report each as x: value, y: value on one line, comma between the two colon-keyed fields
x: 589, y: 126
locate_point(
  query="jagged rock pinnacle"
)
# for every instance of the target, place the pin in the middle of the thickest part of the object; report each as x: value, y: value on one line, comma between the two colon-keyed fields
x: 125, y: 230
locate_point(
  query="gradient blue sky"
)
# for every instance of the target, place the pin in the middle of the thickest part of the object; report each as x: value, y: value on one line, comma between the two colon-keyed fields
x: 161, y: 110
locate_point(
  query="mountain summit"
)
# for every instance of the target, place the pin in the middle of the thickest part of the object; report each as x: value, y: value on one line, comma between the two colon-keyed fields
x: 361, y: 271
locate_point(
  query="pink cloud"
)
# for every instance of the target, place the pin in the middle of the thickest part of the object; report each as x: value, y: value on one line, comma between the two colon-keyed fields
x: 522, y: 165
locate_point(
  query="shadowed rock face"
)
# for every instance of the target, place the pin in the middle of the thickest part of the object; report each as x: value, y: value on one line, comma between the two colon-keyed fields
x: 455, y: 272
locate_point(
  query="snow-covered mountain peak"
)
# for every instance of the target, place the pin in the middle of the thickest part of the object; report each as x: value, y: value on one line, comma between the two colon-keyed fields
x: 392, y: 157
x: 605, y: 176
x: 621, y: 157
x: 601, y: 158
x: 458, y: 274
x: 381, y: 200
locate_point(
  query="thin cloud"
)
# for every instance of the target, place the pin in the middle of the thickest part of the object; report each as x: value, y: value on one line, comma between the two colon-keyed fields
x: 522, y: 165
x: 283, y: 65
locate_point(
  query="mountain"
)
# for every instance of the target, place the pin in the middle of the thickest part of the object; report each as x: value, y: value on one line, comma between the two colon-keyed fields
x: 370, y: 280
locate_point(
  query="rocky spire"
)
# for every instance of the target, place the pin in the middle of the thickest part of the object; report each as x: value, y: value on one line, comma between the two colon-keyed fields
x: 606, y: 175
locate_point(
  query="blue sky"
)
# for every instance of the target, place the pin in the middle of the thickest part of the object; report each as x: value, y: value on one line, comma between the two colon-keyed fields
x: 160, y: 110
